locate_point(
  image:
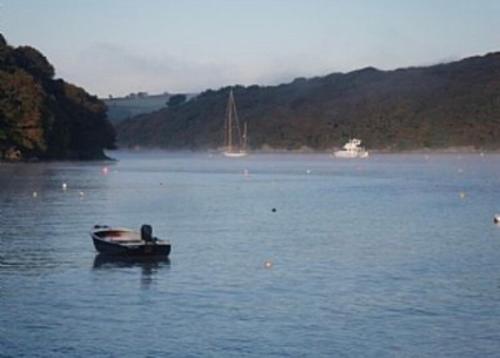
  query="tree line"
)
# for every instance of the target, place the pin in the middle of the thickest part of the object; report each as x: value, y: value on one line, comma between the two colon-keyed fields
x: 43, y: 117
x: 453, y: 104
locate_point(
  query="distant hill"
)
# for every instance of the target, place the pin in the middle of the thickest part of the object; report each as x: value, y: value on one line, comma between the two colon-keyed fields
x: 46, y: 118
x: 453, y: 104
x: 120, y: 108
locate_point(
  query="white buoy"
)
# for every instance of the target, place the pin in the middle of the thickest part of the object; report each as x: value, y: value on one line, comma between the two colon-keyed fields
x: 105, y: 170
x: 64, y: 186
x: 308, y: 171
x: 462, y: 195
x: 35, y: 194
x: 268, y: 264
x: 496, y: 219
x: 82, y: 194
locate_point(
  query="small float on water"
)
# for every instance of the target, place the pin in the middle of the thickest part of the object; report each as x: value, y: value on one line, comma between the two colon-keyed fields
x: 126, y: 242
x: 496, y: 219
x: 351, y: 149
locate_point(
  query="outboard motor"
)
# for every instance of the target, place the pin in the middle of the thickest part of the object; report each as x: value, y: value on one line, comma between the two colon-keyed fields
x: 147, y: 233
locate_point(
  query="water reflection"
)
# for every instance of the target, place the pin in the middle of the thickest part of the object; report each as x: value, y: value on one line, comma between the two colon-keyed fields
x: 149, y: 265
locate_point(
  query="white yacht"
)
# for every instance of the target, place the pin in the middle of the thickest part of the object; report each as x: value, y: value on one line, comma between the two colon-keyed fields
x: 352, y: 149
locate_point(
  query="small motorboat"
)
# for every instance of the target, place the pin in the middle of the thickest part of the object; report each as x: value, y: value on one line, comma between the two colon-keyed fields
x: 126, y: 242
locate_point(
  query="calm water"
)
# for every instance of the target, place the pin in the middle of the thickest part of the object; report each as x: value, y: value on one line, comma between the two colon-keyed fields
x: 392, y: 256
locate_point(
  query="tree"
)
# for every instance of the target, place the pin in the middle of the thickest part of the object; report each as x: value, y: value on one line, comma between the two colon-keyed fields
x: 45, y: 118
x: 21, y: 112
x: 33, y: 62
x: 176, y: 100
x: 3, y: 42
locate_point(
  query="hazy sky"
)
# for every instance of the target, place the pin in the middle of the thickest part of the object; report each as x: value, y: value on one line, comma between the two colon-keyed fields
x: 116, y: 47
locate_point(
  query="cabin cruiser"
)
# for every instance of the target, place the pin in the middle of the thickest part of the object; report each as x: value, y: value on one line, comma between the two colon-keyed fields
x: 351, y: 149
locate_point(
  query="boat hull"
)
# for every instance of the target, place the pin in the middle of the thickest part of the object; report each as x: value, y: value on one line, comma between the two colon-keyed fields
x: 349, y: 154
x: 111, y: 248
x: 146, y: 262
x: 126, y: 242
x: 235, y: 154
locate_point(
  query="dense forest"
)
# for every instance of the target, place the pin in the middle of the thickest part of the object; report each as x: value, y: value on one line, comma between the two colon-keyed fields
x: 453, y: 104
x: 46, y: 118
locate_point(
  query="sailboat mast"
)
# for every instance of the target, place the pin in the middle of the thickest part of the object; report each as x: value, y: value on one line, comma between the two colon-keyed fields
x: 237, y: 121
x: 244, y: 135
x: 225, y: 125
x: 234, y: 142
x: 229, y: 121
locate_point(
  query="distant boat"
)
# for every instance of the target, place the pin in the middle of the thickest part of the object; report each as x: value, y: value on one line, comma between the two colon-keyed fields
x: 234, y: 141
x: 352, y: 149
x: 126, y: 242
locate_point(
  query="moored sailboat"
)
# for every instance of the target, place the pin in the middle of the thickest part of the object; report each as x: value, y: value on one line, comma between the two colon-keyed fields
x: 234, y: 140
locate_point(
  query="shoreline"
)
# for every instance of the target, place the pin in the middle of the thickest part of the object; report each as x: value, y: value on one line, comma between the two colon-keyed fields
x: 306, y: 150
x: 104, y: 158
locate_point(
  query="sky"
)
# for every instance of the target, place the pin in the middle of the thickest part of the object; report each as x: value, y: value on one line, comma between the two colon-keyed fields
x: 115, y: 47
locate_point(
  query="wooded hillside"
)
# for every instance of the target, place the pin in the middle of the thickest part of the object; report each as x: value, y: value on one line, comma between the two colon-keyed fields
x: 43, y: 117
x: 453, y: 104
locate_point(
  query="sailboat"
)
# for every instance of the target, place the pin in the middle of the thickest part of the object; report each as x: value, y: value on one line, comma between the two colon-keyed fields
x: 234, y: 141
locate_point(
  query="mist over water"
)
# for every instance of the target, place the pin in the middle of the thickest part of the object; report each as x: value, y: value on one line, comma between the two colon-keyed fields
x: 396, y: 255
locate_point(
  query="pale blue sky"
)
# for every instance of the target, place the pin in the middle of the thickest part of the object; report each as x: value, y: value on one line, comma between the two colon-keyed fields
x: 116, y: 47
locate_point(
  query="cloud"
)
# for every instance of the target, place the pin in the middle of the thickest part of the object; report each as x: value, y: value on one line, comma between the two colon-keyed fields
x: 105, y: 68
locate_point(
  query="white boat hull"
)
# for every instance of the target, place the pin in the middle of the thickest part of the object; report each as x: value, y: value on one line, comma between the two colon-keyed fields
x: 235, y: 154
x: 350, y: 154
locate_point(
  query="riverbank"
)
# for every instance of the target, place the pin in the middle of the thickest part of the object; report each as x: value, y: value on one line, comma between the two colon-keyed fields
x: 308, y: 150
